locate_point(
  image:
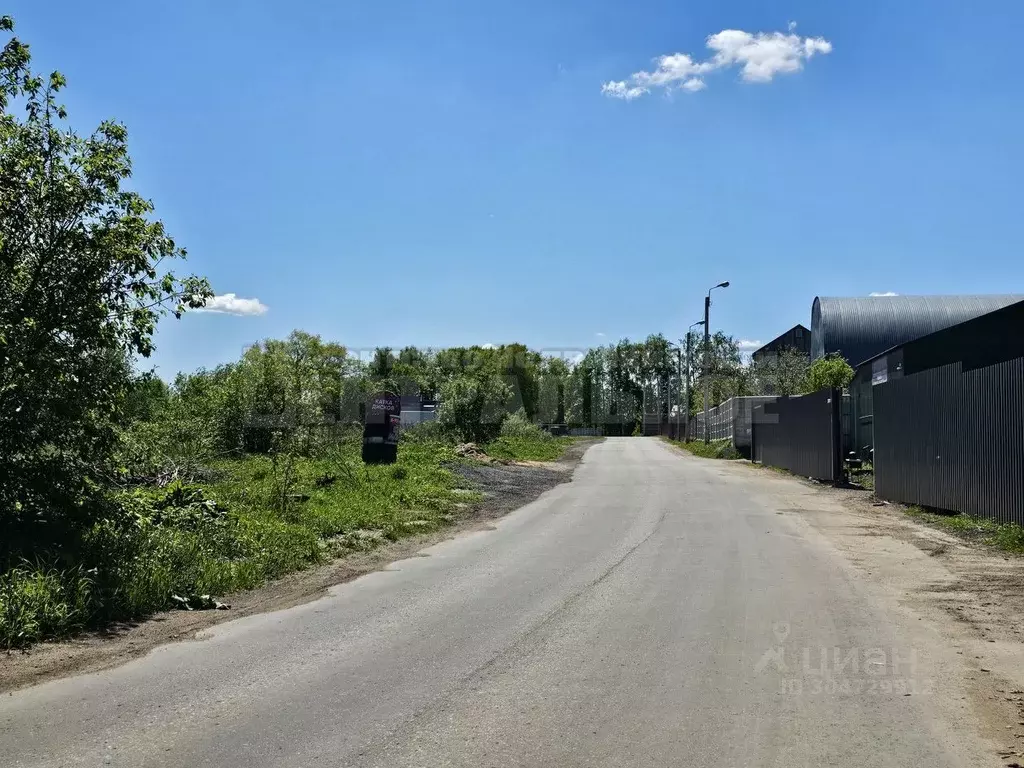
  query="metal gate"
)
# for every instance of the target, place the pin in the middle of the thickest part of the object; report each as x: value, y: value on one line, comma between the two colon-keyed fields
x: 801, y: 434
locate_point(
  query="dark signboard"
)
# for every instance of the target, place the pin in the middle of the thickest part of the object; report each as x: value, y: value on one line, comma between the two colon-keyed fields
x: 382, y: 405
x: 382, y: 428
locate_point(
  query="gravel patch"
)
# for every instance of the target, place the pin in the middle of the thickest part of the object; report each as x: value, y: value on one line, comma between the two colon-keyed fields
x: 507, y: 487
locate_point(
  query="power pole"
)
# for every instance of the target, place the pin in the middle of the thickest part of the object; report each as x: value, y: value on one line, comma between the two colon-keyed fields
x: 707, y: 358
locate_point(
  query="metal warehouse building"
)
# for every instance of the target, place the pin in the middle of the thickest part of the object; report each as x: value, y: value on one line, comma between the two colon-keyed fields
x: 948, y: 414
x: 861, y: 328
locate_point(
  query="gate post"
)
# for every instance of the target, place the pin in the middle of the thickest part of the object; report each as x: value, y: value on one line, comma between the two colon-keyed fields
x: 836, y: 414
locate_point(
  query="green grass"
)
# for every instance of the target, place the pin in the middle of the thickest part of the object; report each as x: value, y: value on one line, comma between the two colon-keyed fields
x: 716, y: 449
x: 255, y: 523
x: 259, y: 520
x: 545, y: 448
x: 864, y: 477
x: 1004, y: 536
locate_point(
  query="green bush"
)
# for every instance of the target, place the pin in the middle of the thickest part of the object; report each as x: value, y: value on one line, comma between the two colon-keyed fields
x: 829, y: 371
x: 38, y: 601
x: 516, y: 425
x: 186, y: 541
x: 472, y: 409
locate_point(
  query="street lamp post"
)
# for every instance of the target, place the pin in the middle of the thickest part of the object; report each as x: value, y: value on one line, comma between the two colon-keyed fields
x: 707, y: 357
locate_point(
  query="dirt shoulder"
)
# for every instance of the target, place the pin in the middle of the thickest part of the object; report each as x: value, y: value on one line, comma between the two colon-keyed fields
x: 505, y: 487
x: 962, y: 600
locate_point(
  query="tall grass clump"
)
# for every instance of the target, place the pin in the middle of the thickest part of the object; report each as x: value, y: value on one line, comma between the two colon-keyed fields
x: 716, y: 449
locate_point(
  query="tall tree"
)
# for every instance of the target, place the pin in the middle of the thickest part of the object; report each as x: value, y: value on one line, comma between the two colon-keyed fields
x: 82, y: 284
x: 723, y: 370
x: 552, y: 391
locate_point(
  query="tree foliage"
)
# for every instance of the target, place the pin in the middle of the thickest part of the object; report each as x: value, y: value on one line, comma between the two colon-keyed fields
x: 473, y: 407
x: 83, y: 281
x: 829, y: 371
x: 781, y: 373
x: 722, y: 370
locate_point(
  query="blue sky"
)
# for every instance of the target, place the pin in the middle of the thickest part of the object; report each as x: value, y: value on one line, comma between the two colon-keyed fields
x: 452, y: 173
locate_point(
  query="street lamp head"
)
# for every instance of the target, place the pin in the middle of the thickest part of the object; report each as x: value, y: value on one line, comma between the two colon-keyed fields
x: 720, y: 285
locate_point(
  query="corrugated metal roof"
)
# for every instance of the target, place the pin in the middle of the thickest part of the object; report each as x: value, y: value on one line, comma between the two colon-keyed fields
x: 862, y: 327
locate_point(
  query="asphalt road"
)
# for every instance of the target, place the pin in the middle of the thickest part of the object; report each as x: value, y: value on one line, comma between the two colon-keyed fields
x: 653, y: 612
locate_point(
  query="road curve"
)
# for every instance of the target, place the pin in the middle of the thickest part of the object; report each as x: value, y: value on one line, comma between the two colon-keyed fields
x: 652, y: 612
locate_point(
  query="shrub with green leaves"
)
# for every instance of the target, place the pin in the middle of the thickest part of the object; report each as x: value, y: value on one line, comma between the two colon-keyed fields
x: 227, y: 535
x: 472, y: 409
x: 831, y: 371
x: 517, y: 425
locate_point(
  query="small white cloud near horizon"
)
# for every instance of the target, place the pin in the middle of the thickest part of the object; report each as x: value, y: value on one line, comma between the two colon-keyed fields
x: 599, y: 334
x: 749, y: 345
x: 230, y: 304
x: 883, y: 293
x: 759, y: 56
x: 488, y: 346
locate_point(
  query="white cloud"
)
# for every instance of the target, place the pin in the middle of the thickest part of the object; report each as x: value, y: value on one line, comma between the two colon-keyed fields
x: 599, y: 334
x: 759, y: 56
x: 230, y: 304
x: 488, y: 346
x: 886, y: 293
x: 619, y: 90
x: 764, y: 55
x: 748, y: 345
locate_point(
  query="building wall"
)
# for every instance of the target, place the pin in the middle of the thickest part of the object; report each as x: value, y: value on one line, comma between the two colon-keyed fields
x: 948, y: 418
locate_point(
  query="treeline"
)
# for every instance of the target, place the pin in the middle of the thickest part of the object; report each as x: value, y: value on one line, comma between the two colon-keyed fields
x: 284, y: 393
x: 291, y: 394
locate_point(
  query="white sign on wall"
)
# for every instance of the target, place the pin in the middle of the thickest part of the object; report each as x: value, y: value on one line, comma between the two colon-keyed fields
x: 880, y: 371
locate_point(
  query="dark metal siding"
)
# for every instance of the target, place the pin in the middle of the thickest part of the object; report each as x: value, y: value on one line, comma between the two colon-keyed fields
x: 953, y: 439
x: 800, y: 434
x: 861, y: 328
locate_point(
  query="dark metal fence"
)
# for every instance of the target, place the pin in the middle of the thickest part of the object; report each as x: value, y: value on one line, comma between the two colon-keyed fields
x: 953, y: 439
x: 801, y: 434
